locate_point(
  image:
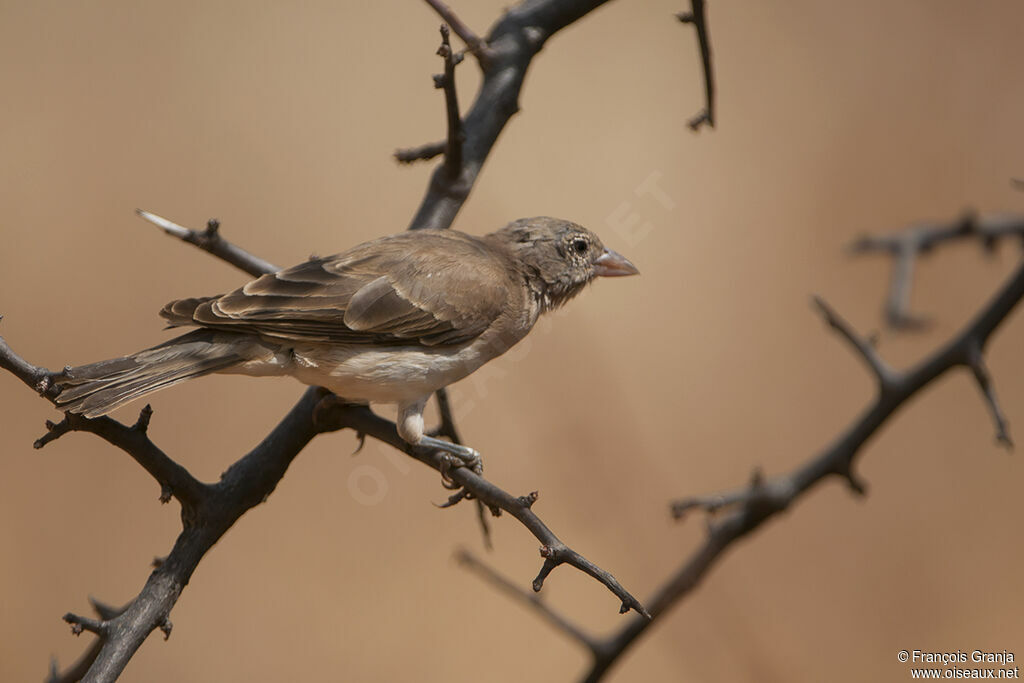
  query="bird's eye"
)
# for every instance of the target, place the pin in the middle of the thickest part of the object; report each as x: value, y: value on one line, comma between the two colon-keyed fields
x: 580, y: 246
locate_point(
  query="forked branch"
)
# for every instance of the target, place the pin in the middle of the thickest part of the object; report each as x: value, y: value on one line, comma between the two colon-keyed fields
x: 734, y: 514
x: 906, y: 246
x: 699, y: 18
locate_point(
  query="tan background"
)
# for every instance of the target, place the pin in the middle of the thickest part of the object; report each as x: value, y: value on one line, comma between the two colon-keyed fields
x: 835, y: 118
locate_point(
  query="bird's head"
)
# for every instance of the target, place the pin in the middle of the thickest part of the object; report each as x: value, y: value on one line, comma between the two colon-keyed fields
x: 559, y: 257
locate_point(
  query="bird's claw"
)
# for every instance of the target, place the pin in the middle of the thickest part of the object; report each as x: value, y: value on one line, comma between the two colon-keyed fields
x: 450, y: 461
x: 453, y: 455
x: 472, y: 460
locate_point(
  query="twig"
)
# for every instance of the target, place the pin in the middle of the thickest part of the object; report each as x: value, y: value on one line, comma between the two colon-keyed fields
x: 560, y: 622
x: 863, y: 347
x: 905, y: 247
x: 210, y: 240
x: 422, y: 153
x: 512, y: 43
x: 446, y: 82
x: 335, y: 414
x: 698, y: 17
x: 448, y: 428
x: 77, y: 671
x: 452, y: 146
x: 476, y: 45
x: 131, y: 439
x: 444, y: 409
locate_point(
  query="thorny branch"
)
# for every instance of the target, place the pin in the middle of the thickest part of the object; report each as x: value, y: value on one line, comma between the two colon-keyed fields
x: 446, y: 81
x: 698, y: 17
x: 209, y: 240
x: 739, y: 512
x: 78, y: 670
x: 452, y: 146
x: 906, y: 246
x: 474, y: 43
x: 504, y: 57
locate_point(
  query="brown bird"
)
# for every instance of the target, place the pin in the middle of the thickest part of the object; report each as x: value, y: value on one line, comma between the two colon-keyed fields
x: 388, y: 321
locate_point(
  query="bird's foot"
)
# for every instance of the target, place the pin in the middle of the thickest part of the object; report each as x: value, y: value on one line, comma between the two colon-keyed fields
x: 454, y: 455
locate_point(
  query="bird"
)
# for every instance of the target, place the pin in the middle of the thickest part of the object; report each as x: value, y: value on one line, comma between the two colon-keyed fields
x: 389, y: 321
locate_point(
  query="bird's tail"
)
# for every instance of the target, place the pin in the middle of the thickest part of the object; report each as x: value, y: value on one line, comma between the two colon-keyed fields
x: 98, y: 388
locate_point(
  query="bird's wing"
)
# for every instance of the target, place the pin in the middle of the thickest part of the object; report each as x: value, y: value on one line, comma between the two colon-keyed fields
x: 429, y: 287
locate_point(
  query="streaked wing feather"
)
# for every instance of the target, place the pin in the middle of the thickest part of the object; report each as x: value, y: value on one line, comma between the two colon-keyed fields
x: 430, y: 287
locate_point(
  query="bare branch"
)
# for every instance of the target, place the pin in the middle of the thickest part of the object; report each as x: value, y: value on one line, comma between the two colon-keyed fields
x: 976, y: 362
x: 452, y: 146
x: 448, y: 428
x: 132, y: 440
x: 698, y: 17
x: 422, y: 153
x: 743, y: 511
x: 864, y: 347
x: 560, y: 622
x: 476, y: 45
x: 37, y: 378
x: 737, y: 513
x: 335, y: 414
x: 79, y: 624
x: 210, y: 240
x: 905, y: 247
x: 446, y: 81
x: 512, y: 43
x: 77, y: 671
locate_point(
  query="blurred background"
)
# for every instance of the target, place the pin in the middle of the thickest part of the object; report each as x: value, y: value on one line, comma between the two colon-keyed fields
x: 835, y: 119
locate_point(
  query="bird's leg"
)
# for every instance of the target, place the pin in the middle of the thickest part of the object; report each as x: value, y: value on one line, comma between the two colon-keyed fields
x: 410, y: 428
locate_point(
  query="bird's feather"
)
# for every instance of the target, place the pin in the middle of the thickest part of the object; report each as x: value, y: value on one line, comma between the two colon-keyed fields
x: 409, y: 288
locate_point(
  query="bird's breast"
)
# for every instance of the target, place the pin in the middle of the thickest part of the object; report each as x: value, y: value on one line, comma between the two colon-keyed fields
x: 385, y: 374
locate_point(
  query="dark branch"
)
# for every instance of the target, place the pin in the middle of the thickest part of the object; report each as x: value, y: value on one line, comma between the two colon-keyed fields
x: 452, y: 146
x: 172, y: 477
x: 132, y: 440
x: 734, y: 514
x: 446, y: 81
x: 422, y: 153
x: 698, y: 17
x: 864, y: 348
x: 335, y: 414
x: 511, y: 45
x: 210, y: 240
x: 474, y: 43
x: 447, y: 426
x: 79, y: 624
x: 77, y: 671
x: 976, y: 362
x: 740, y: 512
x: 905, y: 247
x: 470, y: 562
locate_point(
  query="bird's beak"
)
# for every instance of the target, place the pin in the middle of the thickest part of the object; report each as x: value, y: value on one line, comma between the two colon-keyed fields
x: 613, y: 264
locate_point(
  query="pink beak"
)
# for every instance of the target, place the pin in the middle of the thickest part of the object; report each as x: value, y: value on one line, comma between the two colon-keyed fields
x: 613, y: 264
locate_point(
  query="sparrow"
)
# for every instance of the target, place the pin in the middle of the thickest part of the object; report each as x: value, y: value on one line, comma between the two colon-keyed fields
x: 389, y: 321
